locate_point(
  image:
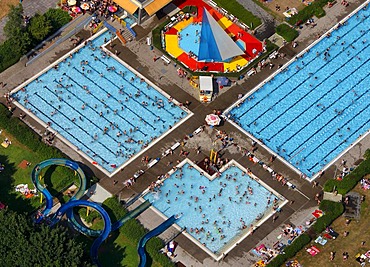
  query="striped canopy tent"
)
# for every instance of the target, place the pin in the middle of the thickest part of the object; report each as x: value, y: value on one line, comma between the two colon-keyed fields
x: 215, y: 44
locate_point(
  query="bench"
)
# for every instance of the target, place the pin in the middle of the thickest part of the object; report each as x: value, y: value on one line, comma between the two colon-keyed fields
x: 166, y: 60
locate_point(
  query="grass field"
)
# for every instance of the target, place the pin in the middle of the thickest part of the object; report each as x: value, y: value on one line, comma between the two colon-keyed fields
x: 55, y: 177
x: 4, y: 6
x: 358, y: 232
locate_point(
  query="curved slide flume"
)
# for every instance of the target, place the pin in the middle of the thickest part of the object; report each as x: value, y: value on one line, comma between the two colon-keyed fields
x: 35, y: 177
x: 104, y: 233
x: 74, y: 202
x: 156, y: 231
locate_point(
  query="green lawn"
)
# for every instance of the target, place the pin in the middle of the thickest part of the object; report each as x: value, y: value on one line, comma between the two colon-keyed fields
x: 56, y: 177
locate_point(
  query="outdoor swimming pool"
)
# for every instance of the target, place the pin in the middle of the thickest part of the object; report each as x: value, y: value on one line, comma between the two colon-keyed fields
x: 317, y: 106
x: 100, y: 106
x: 215, y: 213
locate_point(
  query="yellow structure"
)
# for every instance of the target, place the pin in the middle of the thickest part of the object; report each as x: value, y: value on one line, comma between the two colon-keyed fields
x: 213, y: 156
x: 172, y: 46
x: 225, y: 23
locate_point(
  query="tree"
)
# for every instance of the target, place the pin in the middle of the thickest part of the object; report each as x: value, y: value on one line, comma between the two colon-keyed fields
x: 39, y: 27
x: 24, y: 244
x: 15, y: 24
x: 57, y: 18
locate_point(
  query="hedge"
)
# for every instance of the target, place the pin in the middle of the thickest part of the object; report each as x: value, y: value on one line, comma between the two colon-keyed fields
x: 289, y: 252
x: 314, y: 9
x: 287, y: 32
x: 240, y: 12
x: 350, y: 180
x: 332, y: 211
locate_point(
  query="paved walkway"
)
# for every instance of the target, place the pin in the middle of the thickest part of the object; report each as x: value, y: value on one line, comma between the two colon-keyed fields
x: 141, y: 59
x: 30, y: 8
x: 269, y: 22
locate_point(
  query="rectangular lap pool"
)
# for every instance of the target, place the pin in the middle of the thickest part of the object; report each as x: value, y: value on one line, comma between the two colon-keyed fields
x: 99, y: 105
x: 217, y: 213
x: 316, y: 107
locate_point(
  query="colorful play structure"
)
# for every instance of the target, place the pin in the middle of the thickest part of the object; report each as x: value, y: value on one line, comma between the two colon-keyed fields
x: 223, y: 46
x: 67, y: 209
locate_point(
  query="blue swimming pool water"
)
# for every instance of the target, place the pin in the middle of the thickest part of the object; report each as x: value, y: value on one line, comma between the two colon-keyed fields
x: 225, y: 200
x: 81, y: 100
x: 189, y: 41
x: 314, y: 110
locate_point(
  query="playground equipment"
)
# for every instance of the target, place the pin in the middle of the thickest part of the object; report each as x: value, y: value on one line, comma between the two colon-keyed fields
x: 67, y: 208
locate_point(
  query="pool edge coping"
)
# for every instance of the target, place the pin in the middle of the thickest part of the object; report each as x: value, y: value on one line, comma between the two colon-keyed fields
x: 70, y: 144
x: 244, y: 233
x: 270, y: 77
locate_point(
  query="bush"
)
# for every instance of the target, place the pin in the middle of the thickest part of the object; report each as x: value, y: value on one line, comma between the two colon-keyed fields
x: 240, y: 12
x: 332, y: 211
x: 114, y: 209
x: 8, y: 55
x: 153, y: 247
x: 314, y: 9
x: 350, y: 180
x: 287, y: 32
x: 133, y: 230
x: 289, y: 252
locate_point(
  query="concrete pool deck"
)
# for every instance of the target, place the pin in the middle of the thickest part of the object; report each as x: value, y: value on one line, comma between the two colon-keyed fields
x: 140, y: 57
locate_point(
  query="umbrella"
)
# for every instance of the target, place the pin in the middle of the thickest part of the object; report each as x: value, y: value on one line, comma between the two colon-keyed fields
x: 223, y: 81
x: 213, y: 119
x: 76, y: 9
x: 112, y: 9
x: 71, y: 2
x: 85, y: 6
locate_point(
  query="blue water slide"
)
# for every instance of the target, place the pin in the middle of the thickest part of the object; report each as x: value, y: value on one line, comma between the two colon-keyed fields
x: 156, y: 231
x: 104, y: 233
x: 35, y: 177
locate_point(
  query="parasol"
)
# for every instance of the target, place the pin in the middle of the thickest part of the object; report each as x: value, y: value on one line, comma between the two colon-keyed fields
x: 76, y: 9
x: 85, y: 6
x: 71, y: 2
x: 213, y: 120
x: 112, y: 9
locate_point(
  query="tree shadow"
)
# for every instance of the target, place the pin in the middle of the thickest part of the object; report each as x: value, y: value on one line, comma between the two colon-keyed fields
x: 110, y: 253
x: 8, y: 196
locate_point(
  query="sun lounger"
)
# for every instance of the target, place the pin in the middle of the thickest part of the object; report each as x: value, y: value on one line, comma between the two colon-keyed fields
x: 138, y: 174
x: 200, y: 129
x: 320, y: 240
x: 176, y: 145
x: 153, y: 162
x: 165, y: 153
